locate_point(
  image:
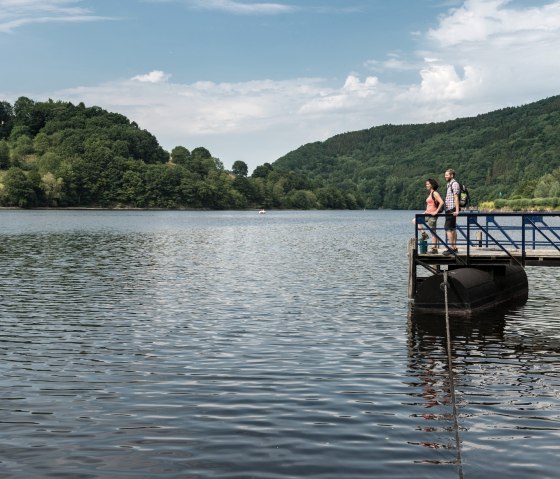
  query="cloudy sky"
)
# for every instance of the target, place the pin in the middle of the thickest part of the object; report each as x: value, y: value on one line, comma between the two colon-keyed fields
x: 254, y: 79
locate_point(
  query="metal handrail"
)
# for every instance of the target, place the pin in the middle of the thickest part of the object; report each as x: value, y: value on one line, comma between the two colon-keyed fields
x: 517, y: 231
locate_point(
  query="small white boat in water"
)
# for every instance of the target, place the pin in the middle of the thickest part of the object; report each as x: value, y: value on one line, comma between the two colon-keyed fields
x: 262, y: 212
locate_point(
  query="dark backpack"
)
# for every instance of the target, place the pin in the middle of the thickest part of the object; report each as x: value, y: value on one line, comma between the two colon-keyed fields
x: 464, y: 196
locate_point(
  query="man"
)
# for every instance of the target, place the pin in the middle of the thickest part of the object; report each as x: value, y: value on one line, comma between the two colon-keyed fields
x: 451, y: 210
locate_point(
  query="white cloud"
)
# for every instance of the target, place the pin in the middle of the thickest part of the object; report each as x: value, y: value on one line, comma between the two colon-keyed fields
x: 441, y: 82
x: 242, y: 8
x: 17, y: 13
x: 155, y: 76
x: 353, y: 84
x: 483, y: 55
x: 481, y: 21
x: 350, y: 97
x: 505, y: 53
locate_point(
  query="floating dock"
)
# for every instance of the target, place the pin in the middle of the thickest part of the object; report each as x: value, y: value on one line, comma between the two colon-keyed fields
x: 488, y: 270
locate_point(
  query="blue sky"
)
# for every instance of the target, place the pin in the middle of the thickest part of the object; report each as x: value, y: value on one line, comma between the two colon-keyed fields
x: 252, y: 80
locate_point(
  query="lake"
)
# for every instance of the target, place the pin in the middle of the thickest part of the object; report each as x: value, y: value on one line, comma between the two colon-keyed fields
x: 155, y: 344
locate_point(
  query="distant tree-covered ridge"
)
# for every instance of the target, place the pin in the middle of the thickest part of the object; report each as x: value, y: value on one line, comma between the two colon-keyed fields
x: 510, y: 155
x: 63, y: 155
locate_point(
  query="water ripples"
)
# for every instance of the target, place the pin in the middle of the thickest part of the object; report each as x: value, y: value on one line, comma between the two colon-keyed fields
x: 232, y: 345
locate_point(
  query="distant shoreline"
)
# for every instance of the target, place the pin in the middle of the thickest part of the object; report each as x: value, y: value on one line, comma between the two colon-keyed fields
x: 100, y: 208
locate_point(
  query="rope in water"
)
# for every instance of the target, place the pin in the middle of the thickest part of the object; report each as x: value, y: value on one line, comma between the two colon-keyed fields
x: 451, y: 378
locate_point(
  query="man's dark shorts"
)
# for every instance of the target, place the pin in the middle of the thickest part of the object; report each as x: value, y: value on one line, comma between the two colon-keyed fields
x: 450, y: 221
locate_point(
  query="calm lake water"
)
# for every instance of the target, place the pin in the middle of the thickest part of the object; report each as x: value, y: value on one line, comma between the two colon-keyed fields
x: 236, y: 345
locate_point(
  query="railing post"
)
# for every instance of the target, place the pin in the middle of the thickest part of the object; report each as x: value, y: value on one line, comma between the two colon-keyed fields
x: 523, y: 245
x: 479, y: 238
x: 468, y: 237
x: 534, y: 237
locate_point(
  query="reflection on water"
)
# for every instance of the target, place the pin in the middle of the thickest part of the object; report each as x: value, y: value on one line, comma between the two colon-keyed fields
x: 508, y: 392
x: 237, y: 345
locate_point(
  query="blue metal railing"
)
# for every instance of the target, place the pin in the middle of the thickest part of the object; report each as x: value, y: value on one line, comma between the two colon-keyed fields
x: 506, y: 232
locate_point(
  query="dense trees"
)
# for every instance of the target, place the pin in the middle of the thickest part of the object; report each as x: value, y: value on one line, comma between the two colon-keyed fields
x: 59, y: 154
x: 19, y: 188
x: 498, y: 155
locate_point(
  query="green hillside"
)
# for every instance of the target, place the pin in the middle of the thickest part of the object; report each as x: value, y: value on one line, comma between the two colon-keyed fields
x: 58, y: 154
x: 498, y: 155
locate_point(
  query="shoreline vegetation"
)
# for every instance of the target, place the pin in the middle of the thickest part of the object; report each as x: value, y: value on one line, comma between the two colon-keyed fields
x: 485, y: 207
x: 55, y: 154
x: 522, y: 204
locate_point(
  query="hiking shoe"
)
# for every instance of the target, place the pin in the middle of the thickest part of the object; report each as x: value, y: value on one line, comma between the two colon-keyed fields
x: 434, y: 251
x: 447, y: 252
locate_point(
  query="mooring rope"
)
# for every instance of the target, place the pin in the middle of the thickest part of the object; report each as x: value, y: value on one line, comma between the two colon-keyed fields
x: 452, y: 378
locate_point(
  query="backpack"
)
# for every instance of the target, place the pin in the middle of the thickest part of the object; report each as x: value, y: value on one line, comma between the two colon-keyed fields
x: 464, y: 196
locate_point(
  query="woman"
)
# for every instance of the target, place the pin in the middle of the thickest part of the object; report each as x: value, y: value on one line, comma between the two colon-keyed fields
x: 434, y: 204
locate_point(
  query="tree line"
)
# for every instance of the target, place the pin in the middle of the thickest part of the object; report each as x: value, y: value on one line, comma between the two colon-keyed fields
x: 56, y: 154
x: 512, y: 154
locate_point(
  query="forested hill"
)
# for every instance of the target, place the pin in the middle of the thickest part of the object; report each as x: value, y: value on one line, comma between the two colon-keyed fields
x: 513, y: 152
x: 55, y: 153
